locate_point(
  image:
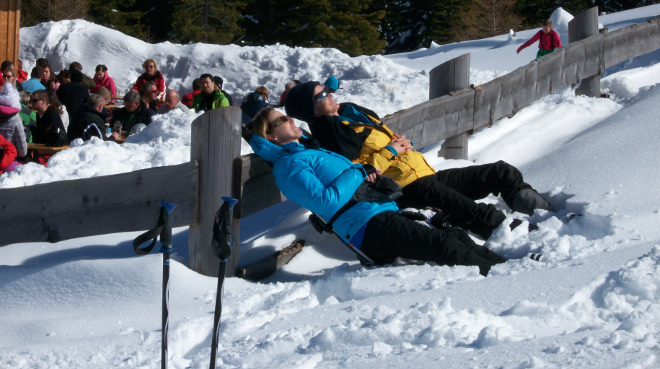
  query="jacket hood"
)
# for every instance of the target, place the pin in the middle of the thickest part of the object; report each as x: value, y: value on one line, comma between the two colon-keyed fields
x: 268, y: 150
x: 9, y: 96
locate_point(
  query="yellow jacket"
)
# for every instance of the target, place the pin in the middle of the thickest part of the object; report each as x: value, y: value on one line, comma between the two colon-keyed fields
x: 404, y: 168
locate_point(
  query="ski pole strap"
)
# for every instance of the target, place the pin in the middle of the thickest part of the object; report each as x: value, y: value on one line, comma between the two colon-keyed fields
x: 151, y: 234
x: 339, y: 212
x: 221, y: 227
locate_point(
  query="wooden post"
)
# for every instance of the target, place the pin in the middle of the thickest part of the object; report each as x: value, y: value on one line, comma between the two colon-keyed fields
x: 216, y: 141
x: 451, y: 76
x: 582, y: 26
x: 10, y: 19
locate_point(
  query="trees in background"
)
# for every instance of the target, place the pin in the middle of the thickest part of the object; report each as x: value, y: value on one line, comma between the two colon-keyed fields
x: 352, y: 26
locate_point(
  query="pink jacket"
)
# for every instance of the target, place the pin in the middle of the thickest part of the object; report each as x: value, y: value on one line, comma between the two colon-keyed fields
x: 548, y: 42
x: 107, y: 82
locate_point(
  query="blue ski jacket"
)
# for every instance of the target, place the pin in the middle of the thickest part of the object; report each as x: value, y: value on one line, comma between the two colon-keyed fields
x: 320, y: 181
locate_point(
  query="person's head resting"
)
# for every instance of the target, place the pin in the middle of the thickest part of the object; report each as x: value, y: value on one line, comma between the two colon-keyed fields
x: 131, y: 101
x: 218, y: 82
x: 149, y: 91
x: 171, y: 99
x: 309, y: 100
x: 197, y: 84
x: 150, y: 67
x: 96, y: 101
x: 547, y: 26
x: 263, y: 91
x: 75, y: 66
x: 39, y: 101
x: 274, y: 127
x: 208, y: 85
x: 100, y: 71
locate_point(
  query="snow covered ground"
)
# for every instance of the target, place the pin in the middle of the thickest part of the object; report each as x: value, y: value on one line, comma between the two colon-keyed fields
x: 594, y: 302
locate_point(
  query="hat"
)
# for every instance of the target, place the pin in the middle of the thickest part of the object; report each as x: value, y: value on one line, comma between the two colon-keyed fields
x: 299, y: 101
x: 332, y: 83
x: 218, y: 81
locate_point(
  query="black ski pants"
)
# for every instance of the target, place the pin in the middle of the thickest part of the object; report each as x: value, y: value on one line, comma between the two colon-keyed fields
x: 389, y: 235
x: 454, y: 191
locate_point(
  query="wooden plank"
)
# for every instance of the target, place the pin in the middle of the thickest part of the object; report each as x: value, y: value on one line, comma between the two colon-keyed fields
x: 254, y: 184
x: 216, y: 142
x: 9, y: 27
x: 631, y: 41
x: 85, y: 207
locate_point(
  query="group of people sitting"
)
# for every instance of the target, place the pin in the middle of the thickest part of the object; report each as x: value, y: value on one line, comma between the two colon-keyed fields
x: 356, y: 173
x: 55, y: 109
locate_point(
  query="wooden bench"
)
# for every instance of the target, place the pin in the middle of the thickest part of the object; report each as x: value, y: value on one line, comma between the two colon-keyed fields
x: 42, y: 149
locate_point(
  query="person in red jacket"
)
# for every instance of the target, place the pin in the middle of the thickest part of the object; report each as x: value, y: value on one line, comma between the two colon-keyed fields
x: 548, y: 40
x: 151, y: 73
x: 187, y: 99
x: 7, y: 155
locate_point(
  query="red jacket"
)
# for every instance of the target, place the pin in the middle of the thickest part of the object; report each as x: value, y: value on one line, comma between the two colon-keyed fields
x: 160, y: 83
x: 106, y: 82
x: 21, y: 76
x: 7, y: 154
x: 187, y: 99
x: 548, y: 42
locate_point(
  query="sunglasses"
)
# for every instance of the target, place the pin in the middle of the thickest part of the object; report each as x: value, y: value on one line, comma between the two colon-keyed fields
x: 321, y: 96
x: 278, y: 122
x: 7, y: 76
x: 153, y: 91
x: 149, y: 67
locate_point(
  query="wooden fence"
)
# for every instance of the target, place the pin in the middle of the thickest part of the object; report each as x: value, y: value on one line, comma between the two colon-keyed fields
x: 68, y: 209
x: 10, y: 19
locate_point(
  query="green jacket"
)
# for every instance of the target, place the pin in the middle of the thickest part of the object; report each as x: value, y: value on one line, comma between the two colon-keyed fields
x: 219, y: 100
x: 29, y: 119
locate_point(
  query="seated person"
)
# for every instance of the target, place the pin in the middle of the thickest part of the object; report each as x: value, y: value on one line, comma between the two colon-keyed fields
x: 210, y: 98
x: 74, y: 93
x: 11, y: 124
x: 50, y: 130
x: 49, y: 79
x: 251, y: 106
x: 151, y: 73
x: 357, y: 134
x: 86, y: 80
x: 218, y: 84
x: 187, y: 99
x: 133, y: 112
x: 89, y: 121
x: 332, y: 84
x: 172, y: 102
x: 287, y: 87
x: 264, y: 92
x: 324, y: 183
x: 103, y: 79
x: 33, y: 83
x: 149, y: 95
x: 28, y: 116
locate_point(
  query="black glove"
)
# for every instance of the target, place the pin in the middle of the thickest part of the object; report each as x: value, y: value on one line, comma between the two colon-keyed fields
x: 369, y: 169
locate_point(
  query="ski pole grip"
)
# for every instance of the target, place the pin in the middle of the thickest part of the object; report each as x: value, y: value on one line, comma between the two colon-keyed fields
x: 166, y: 209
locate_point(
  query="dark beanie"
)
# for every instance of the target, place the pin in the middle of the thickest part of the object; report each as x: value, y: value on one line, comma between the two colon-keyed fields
x: 299, y: 101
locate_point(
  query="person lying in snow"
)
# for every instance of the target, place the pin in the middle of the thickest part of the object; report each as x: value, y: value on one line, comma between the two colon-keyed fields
x: 357, y: 134
x: 325, y: 182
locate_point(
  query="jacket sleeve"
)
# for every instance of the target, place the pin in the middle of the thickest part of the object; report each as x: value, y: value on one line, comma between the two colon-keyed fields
x: 113, y: 88
x: 299, y: 183
x: 381, y: 158
x: 555, y: 35
x: 7, y: 154
x: 19, y: 137
x: 534, y: 38
x: 224, y: 101
x: 336, y: 137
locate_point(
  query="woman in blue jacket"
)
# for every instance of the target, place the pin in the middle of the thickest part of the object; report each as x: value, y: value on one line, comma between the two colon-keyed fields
x: 325, y: 182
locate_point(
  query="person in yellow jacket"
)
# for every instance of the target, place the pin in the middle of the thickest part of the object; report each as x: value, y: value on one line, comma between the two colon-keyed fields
x: 358, y: 134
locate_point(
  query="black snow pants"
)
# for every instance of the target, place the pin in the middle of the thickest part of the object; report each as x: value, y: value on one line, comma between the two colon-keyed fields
x: 389, y: 235
x: 454, y: 190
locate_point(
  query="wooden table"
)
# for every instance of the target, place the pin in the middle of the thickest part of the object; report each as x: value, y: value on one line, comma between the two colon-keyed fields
x: 42, y: 149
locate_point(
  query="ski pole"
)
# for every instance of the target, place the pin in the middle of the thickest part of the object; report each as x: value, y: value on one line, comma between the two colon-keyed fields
x: 166, y: 248
x: 221, y: 244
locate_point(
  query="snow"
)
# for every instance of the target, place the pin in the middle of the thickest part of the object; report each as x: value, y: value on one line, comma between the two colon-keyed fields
x: 594, y: 301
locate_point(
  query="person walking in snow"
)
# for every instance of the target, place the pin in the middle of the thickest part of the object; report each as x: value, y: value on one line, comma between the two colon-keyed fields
x: 548, y: 40
x: 357, y: 134
x: 329, y: 185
